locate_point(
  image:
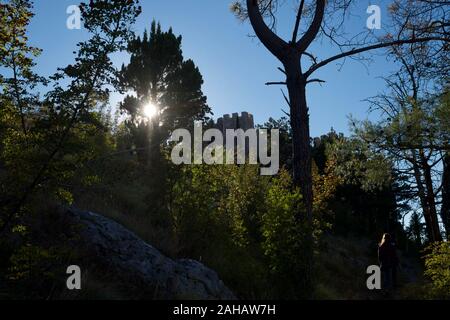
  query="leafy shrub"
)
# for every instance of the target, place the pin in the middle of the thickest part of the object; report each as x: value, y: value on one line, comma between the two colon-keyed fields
x: 437, y: 268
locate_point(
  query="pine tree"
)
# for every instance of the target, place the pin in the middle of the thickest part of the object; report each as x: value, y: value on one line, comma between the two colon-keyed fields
x: 158, y: 74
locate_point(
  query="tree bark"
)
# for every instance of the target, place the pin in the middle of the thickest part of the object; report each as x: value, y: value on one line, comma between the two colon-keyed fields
x: 445, y: 208
x: 302, y: 174
x: 296, y: 85
x: 424, y: 184
x: 436, y: 232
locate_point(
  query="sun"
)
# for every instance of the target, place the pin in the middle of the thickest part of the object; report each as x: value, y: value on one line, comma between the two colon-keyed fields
x: 150, y: 110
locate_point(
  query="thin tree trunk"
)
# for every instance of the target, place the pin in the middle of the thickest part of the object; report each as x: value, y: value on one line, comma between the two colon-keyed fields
x: 427, y: 201
x: 445, y: 208
x: 422, y: 197
x: 437, y: 236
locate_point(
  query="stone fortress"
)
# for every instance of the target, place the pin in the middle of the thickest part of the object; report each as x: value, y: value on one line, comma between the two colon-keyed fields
x: 250, y: 142
x: 243, y: 121
x: 235, y: 121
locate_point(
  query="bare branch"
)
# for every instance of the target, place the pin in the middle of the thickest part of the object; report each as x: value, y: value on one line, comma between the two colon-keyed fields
x: 286, y: 98
x: 269, y: 39
x: 311, y: 56
x: 313, y: 29
x: 315, y: 80
x: 297, y: 21
x: 275, y: 83
x: 369, y: 48
x: 282, y: 70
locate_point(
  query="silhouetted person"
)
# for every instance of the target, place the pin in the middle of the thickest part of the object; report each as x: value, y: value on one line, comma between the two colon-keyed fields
x: 387, y: 256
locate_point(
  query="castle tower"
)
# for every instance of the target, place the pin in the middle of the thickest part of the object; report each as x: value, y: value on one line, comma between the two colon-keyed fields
x: 235, y: 121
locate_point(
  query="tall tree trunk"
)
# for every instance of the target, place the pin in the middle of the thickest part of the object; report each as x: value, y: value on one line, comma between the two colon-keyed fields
x: 296, y: 85
x: 422, y: 197
x: 445, y: 208
x: 431, y: 201
x: 423, y: 186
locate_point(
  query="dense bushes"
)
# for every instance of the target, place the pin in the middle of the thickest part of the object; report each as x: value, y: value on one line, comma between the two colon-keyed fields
x: 437, y: 268
x: 242, y: 225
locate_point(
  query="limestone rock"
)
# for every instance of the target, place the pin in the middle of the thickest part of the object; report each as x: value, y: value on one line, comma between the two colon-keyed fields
x: 140, y: 265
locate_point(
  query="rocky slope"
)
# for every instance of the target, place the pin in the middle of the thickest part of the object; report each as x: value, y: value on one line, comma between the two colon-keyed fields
x: 138, y: 265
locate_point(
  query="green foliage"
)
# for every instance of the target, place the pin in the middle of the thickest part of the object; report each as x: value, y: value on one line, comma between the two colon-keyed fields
x: 27, y: 260
x: 285, y: 139
x: 437, y: 268
x: 158, y: 74
x: 355, y: 189
x: 416, y: 229
x: 228, y: 213
x: 46, y: 142
x: 16, y: 98
x: 357, y: 164
x: 412, y: 133
x: 284, y: 234
x: 215, y: 202
x: 48, y: 136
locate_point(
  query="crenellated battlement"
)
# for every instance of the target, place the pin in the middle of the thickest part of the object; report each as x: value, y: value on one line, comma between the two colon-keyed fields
x: 235, y: 121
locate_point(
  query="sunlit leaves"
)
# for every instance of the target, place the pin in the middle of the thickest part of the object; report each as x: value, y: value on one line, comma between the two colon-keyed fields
x: 437, y: 268
x: 356, y: 163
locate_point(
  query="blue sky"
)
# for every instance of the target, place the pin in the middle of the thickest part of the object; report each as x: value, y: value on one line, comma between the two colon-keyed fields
x: 234, y: 65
